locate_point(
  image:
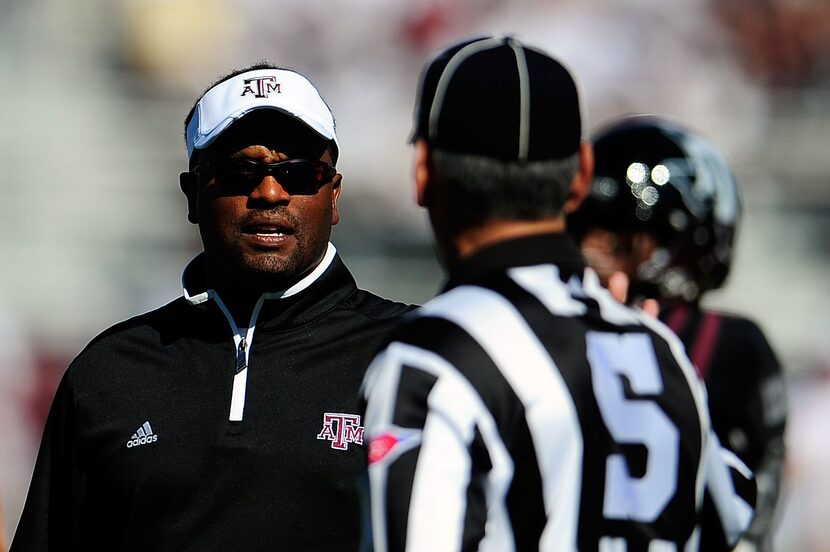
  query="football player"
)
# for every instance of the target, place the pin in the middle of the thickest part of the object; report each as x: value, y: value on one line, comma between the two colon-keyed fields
x: 664, y: 209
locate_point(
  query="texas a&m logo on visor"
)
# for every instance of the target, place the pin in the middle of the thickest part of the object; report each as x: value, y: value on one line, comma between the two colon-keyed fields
x: 341, y: 429
x: 260, y: 87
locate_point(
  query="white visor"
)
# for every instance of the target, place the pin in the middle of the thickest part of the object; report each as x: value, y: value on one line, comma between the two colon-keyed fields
x: 279, y: 89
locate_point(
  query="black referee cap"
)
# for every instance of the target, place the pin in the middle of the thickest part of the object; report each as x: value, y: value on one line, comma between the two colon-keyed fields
x: 496, y: 97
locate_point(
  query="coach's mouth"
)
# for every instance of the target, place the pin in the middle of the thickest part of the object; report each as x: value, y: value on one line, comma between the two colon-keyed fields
x: 269, y: 234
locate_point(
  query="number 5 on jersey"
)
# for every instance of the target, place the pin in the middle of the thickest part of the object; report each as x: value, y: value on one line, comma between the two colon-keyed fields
x: 638, y: 420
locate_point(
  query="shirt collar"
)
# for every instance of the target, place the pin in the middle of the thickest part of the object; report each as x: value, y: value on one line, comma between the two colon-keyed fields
x: 549, y: 248
x: 194, y: 279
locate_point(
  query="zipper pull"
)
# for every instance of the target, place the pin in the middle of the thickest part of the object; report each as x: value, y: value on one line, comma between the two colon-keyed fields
x: 241, y: 357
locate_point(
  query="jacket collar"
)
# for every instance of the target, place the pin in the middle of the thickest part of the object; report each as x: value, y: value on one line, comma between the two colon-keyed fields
x: 325, y: 287
x: 550, y: 248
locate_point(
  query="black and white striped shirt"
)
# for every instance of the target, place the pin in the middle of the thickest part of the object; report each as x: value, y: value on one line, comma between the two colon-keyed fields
x: 525, y: 409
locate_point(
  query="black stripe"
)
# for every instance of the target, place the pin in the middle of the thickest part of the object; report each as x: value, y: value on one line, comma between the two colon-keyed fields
x: 525, y: 503
x: 415, y: 385
x: 475, y: 516
x: 745, y: 488
x: 399, y: 477
x: 401, y: 474
x: 712, y: 537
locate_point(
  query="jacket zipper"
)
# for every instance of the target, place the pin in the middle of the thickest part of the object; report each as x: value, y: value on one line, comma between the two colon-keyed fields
x: 243, y: 348
x: 241, y: 356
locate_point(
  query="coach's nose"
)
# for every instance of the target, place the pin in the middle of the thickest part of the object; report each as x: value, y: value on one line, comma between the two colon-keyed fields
x: 269, y: 191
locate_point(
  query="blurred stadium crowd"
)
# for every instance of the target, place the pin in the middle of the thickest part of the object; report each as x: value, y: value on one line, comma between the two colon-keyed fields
x: 93, y: 227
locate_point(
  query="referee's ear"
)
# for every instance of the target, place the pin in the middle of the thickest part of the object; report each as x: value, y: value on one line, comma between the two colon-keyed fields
x: 584, y: 176
x: 422, y: 172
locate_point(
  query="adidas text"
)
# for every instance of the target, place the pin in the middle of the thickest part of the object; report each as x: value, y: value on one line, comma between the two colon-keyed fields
x: 142, y: 441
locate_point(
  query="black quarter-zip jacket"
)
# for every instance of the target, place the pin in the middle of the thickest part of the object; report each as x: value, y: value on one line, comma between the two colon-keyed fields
x: 144, y: 450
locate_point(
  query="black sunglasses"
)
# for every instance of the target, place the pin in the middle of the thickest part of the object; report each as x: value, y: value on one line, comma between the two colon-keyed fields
x: 296, y: 176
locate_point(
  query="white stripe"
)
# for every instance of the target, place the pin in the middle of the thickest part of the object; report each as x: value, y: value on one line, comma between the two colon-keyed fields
x: 619, y: 544
x: 379, y: 389
x: 240, y: 382
x: 736, y: 463
x: 439, y: 489
x: 443, y: 471
x: 524, y: 99
x: 550, y: 413
x: 693, y: 544
x: 447, y: 75
x: 734, y: 512
x: 543, y: 281
x: 612, y: 544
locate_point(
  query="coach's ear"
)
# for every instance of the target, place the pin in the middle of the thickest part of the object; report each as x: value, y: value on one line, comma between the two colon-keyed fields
x: 422, y: 172
x: 187, y: 183
x: 584, y: 176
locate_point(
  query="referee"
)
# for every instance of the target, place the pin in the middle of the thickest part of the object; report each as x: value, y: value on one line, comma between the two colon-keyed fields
x: 524, y: 408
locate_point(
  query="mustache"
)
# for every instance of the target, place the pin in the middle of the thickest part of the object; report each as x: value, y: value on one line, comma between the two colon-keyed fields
x: 278, y: 215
